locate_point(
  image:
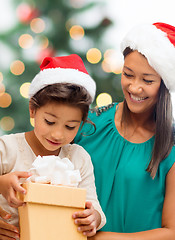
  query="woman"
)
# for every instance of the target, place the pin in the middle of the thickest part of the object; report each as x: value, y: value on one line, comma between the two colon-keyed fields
x: 132, y: 148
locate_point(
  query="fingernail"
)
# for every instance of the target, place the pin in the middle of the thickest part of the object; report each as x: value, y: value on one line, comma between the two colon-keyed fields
x: 74, y: 216
x: 24, y: 192
x: 7, y: 216
x: 76, y: 221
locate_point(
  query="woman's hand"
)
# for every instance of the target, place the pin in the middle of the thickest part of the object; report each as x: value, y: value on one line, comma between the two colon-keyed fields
x: 7, y: 231
x: 87, y: 220
x: 9, y: 185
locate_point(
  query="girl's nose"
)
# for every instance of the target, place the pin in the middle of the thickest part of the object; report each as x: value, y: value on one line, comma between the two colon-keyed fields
x: 57, y: 134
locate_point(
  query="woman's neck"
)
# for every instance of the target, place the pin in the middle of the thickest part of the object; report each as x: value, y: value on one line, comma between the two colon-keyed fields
x: 136, y: 128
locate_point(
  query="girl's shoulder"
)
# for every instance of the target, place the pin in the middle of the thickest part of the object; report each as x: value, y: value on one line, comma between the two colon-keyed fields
x: 11, y: 138
x: 10, y: 149
x: 74, y: 149
x: 77, y: 155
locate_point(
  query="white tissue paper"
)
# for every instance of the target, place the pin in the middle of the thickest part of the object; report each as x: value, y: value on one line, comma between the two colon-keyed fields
x: 54, y: 170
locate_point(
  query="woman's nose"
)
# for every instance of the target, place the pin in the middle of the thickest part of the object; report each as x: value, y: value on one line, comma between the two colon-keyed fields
x: 135, y: 87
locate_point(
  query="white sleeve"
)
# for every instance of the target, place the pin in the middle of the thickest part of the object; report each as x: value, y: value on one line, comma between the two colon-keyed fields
x: 82, y: 161
x: 7, y: 153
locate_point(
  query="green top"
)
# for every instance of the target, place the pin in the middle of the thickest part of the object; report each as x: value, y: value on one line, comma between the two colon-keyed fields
x: 130, y: 198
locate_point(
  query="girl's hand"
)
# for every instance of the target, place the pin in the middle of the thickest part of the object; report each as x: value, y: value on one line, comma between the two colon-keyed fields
x: 87, y: 220
x: 9, y: 185
x: 7, y: 231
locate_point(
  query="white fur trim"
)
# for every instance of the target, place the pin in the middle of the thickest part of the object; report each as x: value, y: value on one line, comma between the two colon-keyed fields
x: 62, y: 75
x: 156, y: 47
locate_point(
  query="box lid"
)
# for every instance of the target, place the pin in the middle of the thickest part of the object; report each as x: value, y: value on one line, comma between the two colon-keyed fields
x: 54, y: 195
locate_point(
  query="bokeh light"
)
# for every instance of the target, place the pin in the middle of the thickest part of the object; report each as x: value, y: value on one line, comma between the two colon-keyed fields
x: 113, y: 61
x: 24, y: 89
x: 17, y: 67
x: 37, y: 25
x: 47, y: 52
x: 93, y: 55
x: 7, y: 123
x: 106, y: 66
x: 76, y: 32
x: 25, y: 41
x: 77, y: 3
x: 5, y: 100
x: 44, y: 42
x: 2, y: 88
x: 26, y: 12
x: 103, y: 99
x: 1, y: 77
x: 68, y: 24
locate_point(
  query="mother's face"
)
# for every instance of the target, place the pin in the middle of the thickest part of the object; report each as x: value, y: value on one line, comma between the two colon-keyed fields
x: 140, y: 83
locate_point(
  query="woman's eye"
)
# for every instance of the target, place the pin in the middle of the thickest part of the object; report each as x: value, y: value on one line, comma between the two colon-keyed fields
x: 48, y: 122
x: 147, y: 81
x: 127, y: 75
x: 70, y: 128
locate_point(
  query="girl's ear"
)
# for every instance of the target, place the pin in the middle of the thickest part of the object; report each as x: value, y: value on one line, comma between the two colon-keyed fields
x: 31, y: 111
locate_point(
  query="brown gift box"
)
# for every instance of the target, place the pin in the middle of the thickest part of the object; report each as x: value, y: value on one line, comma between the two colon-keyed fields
x: 47, y: 214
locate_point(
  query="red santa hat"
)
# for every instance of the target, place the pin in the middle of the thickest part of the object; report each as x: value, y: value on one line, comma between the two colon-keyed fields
x: 64, y: 69
x: 157, y: 43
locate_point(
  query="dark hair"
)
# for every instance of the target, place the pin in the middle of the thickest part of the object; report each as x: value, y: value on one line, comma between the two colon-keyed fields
x: 65, y: 93
x: 164, y: 125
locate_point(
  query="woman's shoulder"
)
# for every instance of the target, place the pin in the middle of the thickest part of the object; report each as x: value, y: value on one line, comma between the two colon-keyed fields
x: 168, y: 162
x: 99, y: 111
x: 102, y: 114
x: 107, y: 110
x: 103, y: 119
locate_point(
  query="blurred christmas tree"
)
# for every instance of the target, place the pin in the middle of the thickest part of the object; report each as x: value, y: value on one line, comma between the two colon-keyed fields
x: 52, y: 28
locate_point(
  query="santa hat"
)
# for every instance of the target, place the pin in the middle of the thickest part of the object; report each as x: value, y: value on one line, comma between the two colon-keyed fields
x: 157, y: 43
x: 64, y: 69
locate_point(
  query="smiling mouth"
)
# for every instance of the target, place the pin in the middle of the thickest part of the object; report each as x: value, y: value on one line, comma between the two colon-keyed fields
x: 54, y: 143
x: 138, y: 99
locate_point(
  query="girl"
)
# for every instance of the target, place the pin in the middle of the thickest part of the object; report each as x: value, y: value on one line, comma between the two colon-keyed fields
x: 60, y: 96
x: 136, y: 141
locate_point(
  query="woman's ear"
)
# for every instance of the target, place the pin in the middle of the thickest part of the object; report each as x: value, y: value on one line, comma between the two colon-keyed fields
x: 31, y: 111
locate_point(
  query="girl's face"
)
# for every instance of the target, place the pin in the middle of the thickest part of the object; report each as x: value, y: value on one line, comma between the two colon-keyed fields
x: 56, y: 125
x: 140, y: 84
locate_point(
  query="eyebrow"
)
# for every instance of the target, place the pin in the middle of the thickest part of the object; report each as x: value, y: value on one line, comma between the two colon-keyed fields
x: 53, y: 115
x: 146, y: 74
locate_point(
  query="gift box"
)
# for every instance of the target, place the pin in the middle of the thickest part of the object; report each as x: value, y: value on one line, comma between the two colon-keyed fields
x: 47, y: 212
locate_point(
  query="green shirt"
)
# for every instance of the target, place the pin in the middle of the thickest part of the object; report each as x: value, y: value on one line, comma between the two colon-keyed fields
x: 131, y: 200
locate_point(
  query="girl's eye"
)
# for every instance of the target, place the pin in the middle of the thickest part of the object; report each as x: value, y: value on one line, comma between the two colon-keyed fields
x: 48, y: 122
x: 70, y: 128
x: 127, y: 75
